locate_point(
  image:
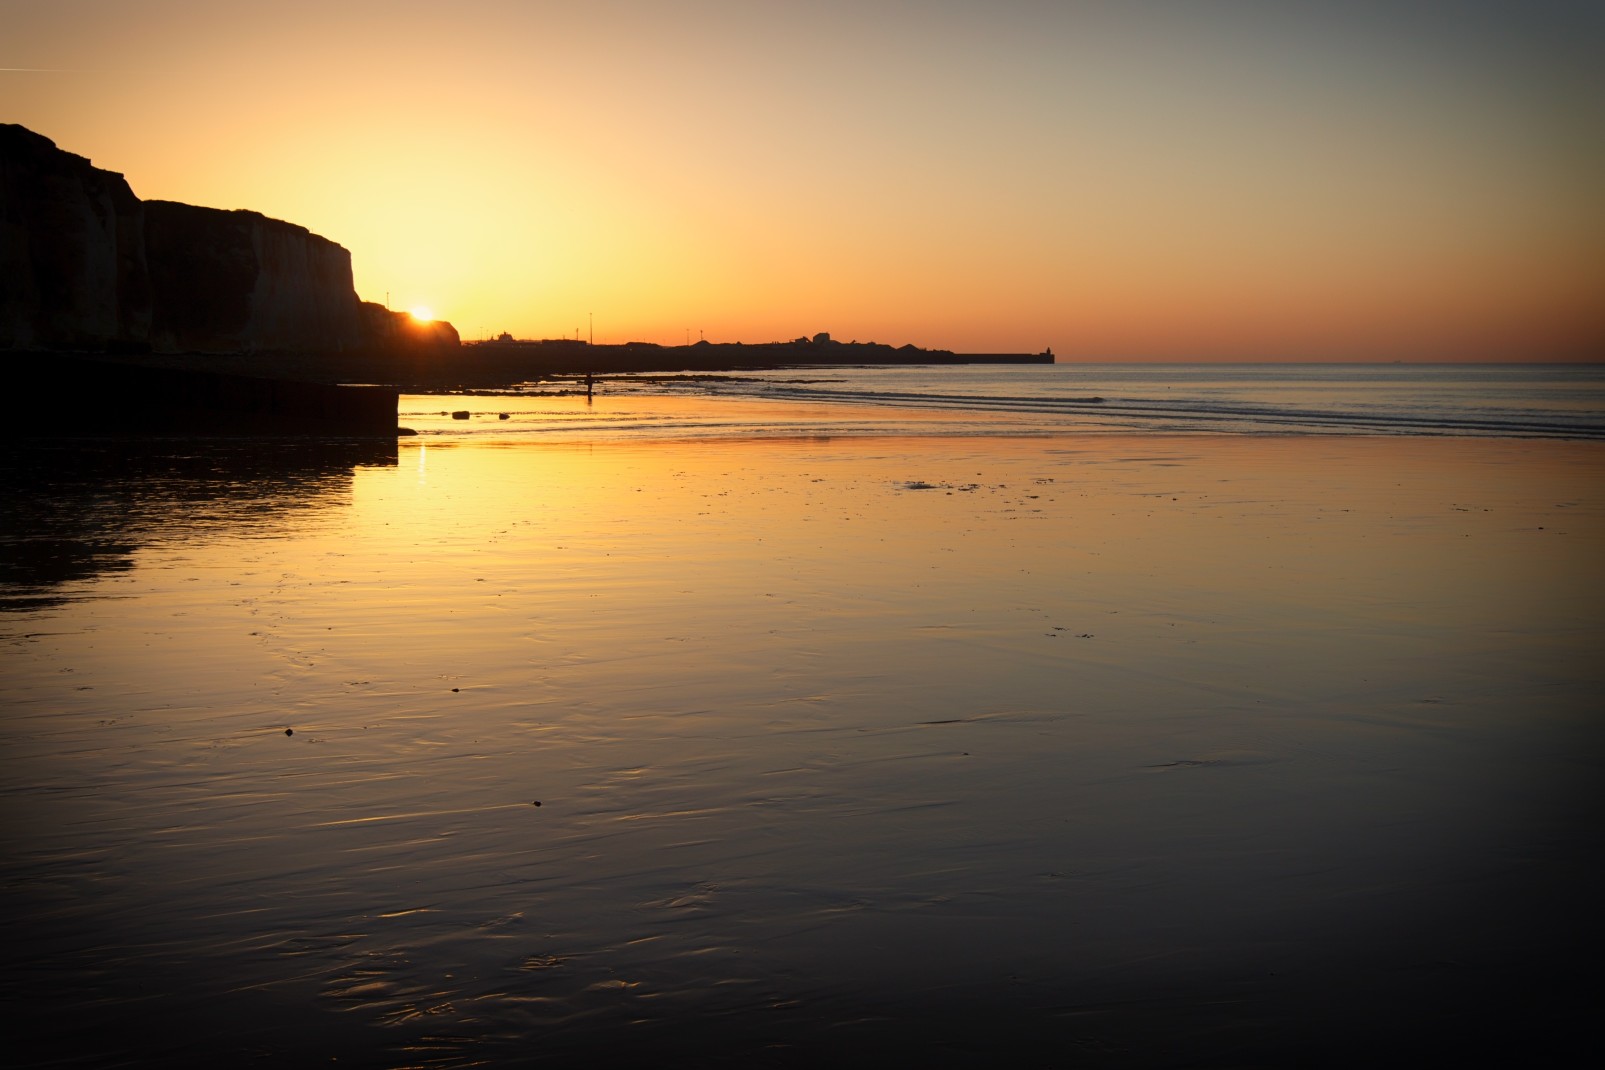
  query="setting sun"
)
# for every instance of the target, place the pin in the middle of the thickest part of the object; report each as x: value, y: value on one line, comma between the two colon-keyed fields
x: 422, y: 313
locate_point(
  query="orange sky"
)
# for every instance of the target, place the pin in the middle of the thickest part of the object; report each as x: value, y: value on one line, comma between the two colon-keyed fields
x: 1233, y: 180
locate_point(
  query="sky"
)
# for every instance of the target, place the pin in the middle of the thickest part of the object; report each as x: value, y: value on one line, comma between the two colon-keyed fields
x: 1159, y: 180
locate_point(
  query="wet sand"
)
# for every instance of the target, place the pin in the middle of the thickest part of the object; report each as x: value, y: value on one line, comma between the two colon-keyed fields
x: 1082, y: 750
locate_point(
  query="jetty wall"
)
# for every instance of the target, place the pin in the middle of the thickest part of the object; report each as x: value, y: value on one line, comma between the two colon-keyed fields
x: 77, y: 396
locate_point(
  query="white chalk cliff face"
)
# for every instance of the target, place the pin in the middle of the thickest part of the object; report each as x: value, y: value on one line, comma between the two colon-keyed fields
x: 241, y: 282
x: 84, y: 264
x: 303, y: 290
x: 72, y: 249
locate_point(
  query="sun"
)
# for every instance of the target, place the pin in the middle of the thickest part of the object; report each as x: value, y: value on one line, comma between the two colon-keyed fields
x: 422, y: 313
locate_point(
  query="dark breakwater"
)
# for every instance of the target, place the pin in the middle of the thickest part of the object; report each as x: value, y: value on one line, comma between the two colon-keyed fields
x: 82, y: 396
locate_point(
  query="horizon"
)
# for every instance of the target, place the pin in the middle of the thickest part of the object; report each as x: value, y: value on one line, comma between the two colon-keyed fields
x: 1323, y: 182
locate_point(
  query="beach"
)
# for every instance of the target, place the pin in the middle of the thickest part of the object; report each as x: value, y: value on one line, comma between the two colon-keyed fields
x: 1138, y: 749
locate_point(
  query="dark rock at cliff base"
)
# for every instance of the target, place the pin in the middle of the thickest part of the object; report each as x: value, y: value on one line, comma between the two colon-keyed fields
x: 387, y: 331
x: 85, y: 265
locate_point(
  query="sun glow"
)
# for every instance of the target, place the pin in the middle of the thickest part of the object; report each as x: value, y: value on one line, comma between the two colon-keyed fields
x: 422, y: 314
x: 1217, y: 185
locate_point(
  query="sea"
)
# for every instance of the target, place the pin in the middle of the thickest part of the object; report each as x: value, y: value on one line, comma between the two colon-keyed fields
x: 1100, y: 716
x: 1501, y: 400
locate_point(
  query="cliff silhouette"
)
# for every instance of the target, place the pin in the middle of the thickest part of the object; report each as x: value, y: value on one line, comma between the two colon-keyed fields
x: 87, y: 266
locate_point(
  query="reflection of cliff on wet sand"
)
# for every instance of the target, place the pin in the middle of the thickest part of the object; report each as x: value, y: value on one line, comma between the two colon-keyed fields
x: 78, y: 509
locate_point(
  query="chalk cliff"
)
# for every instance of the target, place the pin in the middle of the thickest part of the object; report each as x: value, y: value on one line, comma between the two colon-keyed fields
x: 387, y: 330
x: 241, y: 282
x: 72, y: 250
x: 84, y: 264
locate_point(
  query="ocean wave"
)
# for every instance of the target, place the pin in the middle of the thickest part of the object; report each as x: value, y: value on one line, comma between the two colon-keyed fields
x: 1477, y: 400
x: 1443, y: 400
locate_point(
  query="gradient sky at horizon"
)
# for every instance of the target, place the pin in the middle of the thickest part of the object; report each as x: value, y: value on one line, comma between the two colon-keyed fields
x: 1144, y: 180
